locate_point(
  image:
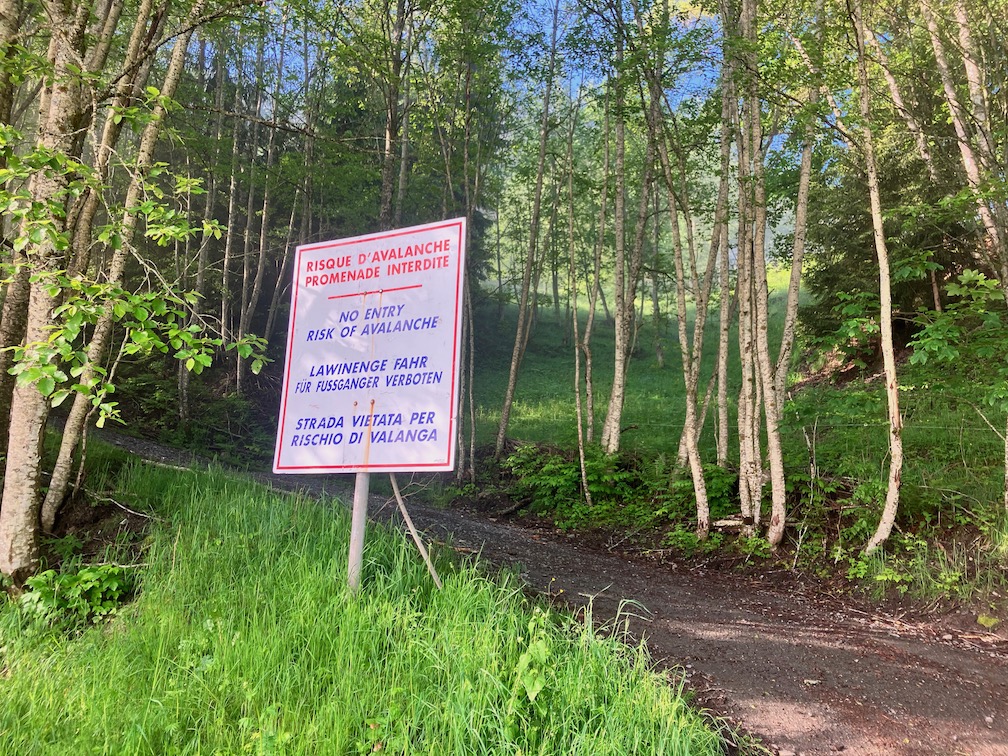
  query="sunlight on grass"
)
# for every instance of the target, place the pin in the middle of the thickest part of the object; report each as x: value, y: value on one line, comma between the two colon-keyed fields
x: 953, y: 468
x: 244, y: 639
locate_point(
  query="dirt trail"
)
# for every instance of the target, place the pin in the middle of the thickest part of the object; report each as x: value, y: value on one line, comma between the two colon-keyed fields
x: 805, y: 672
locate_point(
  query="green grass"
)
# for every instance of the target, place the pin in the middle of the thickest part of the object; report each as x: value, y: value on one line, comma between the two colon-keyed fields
x: 244, y: 639
x: 654, y: 406
x: 951, y: 496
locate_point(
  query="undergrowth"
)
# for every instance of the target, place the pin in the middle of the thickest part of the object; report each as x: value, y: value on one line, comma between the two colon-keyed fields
x: 955, y: 552
x: 625, y: 489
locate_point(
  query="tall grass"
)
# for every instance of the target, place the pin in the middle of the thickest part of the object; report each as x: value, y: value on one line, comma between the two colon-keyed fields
x: 244, y: 639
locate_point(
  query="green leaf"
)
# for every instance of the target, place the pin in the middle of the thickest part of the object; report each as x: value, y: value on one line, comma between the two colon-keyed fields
x: 46, y: 385
x: 533, y: 681
x: 987, y: 621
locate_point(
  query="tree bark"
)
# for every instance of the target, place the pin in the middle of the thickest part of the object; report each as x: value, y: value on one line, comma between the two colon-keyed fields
x: 210, y: 201
x: 610, y: 437
x: 798, y: 245
x: 74, y: 426
x: 393, y: 116
x: 232, y: 223
x: 595, y: 287
x: 522, y: 330
x: 995, y: 249
x: 888, y: 517
x: 10, y: 22
x: 724, y: 283
x: 248, y: 311
x: 13, y: 323
x: 136, y: 68
x: 58, y: 124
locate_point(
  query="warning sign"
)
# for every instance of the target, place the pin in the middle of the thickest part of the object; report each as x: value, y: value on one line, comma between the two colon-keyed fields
x: 371, y: 374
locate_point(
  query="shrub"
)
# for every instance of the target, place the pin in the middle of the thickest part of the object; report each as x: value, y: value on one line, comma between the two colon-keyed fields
x: 70, y: 600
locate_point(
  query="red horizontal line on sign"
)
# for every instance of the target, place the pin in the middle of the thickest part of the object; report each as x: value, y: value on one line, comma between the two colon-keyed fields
x: 376, y: 291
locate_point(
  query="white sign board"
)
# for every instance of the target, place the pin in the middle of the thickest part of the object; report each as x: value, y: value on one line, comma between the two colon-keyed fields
x: 373, y: 349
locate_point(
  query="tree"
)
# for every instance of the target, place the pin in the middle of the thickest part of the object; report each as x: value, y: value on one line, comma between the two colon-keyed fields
x: 524, y: 323
x: 888, y: 516
x: 70, y: 315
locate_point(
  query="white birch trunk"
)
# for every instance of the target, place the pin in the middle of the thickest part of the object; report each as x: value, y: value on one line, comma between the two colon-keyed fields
x: 522, y: 330
x: 888, y: 517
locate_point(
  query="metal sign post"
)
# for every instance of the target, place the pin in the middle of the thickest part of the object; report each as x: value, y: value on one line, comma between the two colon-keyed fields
x: 358, y: 518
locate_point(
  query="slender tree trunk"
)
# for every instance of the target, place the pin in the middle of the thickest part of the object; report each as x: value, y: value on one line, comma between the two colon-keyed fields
x: 282, y: 274
x: 690, y: 375
x: 888, y: 517
x: 137, y: 64
x: 750, y: 463
x: 756, y: 194
x: 249, y: 269
x: 611, y: 427
x: 308, y: 144
x: 73, y: 428
x: 724, y: 283
x: 232, y: 222
x: 401, y: 185
x: 522, y: 330
x: 798, y: 246
x: 628, y: 269
x: 912, y: 124
x: 996, y: 246
x: 594, y: 285
x: 657, y: 342
x: 393, y: 116
x: 701, y: 287
x: 572, y: 294
x: 680, y: 215
x: 249, y: 308
x: 210, y: 201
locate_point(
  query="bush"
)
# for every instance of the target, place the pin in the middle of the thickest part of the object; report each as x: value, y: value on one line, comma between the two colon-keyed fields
x: 71, y: 600
x: 623, y: 491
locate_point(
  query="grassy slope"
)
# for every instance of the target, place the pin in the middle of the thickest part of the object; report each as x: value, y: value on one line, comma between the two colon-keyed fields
x: 654, y: 408
x: 244, y: 639
x: 953, y: 533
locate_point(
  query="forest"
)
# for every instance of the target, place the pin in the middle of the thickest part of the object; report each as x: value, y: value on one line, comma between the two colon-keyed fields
x: 742, y: 261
